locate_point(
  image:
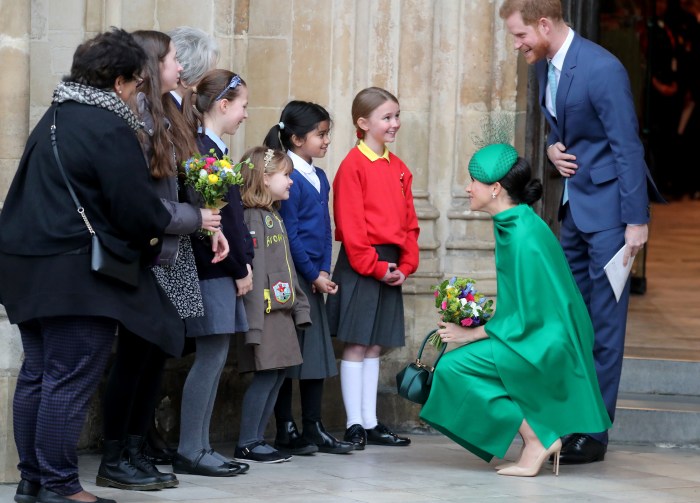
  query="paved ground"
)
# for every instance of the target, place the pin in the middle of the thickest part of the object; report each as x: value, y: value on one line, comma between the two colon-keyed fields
x: 433, y: 469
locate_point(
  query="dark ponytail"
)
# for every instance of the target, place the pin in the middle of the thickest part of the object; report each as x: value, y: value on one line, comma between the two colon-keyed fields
x: 298, y: 119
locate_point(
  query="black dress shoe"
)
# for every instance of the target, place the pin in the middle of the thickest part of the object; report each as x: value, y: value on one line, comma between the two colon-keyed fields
x: 381, y: 435
x: 290, y: 441
x: 192, y: 467
x: 582, y: 449
x: 46, y: 496
x: 27, y: 491
x: 357, y: 436
x: 157, y: 448
x: 317, y: 435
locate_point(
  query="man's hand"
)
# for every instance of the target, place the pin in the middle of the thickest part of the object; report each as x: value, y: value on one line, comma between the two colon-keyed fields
x: 561, y: 160
x: 635, y: 237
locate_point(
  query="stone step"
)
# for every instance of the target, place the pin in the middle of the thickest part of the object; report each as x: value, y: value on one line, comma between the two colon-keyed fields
x: 657, y: 376
x: 666, y: 420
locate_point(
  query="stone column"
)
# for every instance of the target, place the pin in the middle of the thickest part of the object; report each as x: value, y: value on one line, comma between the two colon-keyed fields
x: 14, y: 104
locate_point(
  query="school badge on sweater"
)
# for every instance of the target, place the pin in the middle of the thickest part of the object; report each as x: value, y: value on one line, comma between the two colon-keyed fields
x: 282, y: 292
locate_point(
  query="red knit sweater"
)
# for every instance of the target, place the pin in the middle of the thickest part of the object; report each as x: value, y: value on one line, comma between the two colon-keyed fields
x: 373, y: 205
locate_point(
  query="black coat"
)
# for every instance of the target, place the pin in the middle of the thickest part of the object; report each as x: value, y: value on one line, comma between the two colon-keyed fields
x: 41, y: 234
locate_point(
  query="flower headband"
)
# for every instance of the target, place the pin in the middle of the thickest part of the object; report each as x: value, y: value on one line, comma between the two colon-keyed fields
x: 235, y: 82
x: 268, y: 157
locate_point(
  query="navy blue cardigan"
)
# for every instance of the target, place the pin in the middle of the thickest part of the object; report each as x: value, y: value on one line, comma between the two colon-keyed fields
x: 308, y: 225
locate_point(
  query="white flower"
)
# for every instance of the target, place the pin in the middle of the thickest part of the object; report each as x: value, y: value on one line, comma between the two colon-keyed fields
x: 203, y: 173
x: 463, y: 301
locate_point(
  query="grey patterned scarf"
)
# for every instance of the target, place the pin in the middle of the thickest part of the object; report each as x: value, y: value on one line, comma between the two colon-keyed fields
x: 73, y: 91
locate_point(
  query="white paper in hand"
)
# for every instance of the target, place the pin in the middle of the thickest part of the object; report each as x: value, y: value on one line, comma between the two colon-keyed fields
x: 617, y: 273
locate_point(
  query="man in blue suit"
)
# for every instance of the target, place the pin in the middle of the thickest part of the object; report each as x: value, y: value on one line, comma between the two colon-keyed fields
x: 593, y: 143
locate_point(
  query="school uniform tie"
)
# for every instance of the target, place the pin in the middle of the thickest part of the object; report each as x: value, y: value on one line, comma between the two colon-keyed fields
x: 553, y: 85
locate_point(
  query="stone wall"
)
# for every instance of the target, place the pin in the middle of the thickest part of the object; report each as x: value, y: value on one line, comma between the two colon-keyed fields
x: 448, y: 61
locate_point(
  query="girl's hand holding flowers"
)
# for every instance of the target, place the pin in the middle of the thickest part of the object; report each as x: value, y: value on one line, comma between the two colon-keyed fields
x: 211, y: 178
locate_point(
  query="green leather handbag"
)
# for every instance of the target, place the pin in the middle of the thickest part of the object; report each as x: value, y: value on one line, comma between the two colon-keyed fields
x: 413, y: 382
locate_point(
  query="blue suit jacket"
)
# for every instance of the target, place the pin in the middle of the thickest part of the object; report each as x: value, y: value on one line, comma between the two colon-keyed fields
x: 597, y: 122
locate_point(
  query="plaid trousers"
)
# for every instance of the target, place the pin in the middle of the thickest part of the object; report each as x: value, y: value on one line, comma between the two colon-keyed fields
x: 64, y: 359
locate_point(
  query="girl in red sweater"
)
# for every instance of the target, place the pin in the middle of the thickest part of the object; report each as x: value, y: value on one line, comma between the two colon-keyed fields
x: 377, y: 225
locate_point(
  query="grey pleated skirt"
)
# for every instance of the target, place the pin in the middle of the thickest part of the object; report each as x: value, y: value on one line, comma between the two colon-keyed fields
x: 366, y: 311
x: 224, y: 313
x: 315, y: 341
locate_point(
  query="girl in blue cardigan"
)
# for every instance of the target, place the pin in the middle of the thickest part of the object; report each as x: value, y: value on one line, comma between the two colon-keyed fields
x: 304, y: 132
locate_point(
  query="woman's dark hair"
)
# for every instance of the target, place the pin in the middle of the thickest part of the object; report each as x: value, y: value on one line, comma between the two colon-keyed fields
x: 156, y: 45
x: 521, y: 187
x: 298, y: 119
x: 99, y: 61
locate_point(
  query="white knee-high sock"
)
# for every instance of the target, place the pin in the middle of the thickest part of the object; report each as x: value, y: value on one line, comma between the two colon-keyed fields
x: 351, y: 386
x: 370, y: 381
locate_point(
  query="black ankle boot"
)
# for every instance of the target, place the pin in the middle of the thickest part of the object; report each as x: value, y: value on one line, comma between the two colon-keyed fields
x: 290, y: 441
x: 317, y: 435
x: 134, y: 450
x: 116, y: 470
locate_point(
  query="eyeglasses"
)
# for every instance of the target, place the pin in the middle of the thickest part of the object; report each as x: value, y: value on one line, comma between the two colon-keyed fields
x: 138, y: 79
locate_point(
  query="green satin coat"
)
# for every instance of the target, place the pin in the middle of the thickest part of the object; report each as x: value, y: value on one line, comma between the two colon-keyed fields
x: 538, y: 360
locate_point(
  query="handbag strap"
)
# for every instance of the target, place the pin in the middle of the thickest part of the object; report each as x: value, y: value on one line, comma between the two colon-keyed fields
x: 419, y: 363
x: 54, y: 144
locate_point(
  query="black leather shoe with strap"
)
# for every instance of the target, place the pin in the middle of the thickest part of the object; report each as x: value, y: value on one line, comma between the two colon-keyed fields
x: 357, y: 436
x: 381, y: 435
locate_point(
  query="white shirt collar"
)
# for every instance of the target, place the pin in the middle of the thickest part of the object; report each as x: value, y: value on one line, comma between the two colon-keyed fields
x: 558, y: 59
x: 215, y: 138
x: 177, y: 97
x: 300, y: 164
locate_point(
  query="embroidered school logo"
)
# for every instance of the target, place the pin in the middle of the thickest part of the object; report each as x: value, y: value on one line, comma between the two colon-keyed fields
x: 268, y: 221
x: 282, y: 292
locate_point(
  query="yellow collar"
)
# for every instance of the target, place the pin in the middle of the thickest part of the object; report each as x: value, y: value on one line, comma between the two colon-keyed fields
x: 371, y: 154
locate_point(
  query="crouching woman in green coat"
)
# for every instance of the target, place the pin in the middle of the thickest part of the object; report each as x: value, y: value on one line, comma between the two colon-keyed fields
x: 530, y: 369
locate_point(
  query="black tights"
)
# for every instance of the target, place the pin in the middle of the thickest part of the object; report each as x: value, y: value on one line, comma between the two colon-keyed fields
x: 311, y: 394
x: 133, y: 387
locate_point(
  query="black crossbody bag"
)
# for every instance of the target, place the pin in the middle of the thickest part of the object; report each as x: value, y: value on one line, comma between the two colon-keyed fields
x: 102, y: 261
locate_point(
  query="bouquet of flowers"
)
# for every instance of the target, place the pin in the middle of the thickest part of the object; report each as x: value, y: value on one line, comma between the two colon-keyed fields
x: 211, y: 177
x: 458, y: 302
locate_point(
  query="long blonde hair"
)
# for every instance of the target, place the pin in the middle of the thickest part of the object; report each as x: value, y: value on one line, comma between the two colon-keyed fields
x: 254, y: 192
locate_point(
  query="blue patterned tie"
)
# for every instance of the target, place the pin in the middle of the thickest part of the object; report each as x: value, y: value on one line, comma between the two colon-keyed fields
x: 553, y: 84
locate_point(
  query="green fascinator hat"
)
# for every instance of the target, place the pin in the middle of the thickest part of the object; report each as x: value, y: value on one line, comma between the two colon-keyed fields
x: 492, y: 162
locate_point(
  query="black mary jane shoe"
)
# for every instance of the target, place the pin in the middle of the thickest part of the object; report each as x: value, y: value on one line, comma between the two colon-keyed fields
x: 381, y: 435
x: 27, y: 491
x: 242, y: 467
x: 316, y: 434
x: 357, y: 436
x: 46, y: 496
x: 183, y: 465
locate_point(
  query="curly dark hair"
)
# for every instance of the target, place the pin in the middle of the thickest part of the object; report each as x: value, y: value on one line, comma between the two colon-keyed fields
x: 99, y: 61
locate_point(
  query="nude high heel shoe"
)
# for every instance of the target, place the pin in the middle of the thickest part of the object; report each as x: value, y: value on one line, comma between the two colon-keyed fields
x: 534, y: 469
x: 510, y: 463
